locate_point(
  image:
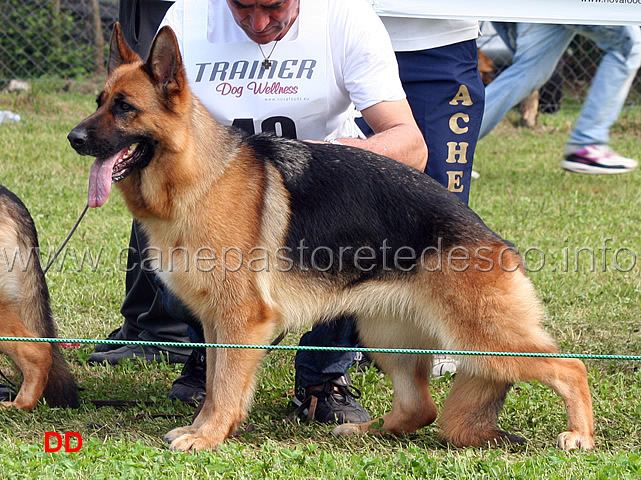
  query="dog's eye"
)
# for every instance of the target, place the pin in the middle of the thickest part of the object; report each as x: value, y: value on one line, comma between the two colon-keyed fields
x: 120, y: 106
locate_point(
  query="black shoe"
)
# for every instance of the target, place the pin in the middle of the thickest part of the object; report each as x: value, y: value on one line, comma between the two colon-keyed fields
x: 7, y: 393
x: 107, y: 347
x: 331, y: 402
x: 190, y: 387
x: 146, y: 353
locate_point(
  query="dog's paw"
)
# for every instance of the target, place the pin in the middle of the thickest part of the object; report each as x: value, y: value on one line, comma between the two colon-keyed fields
x: 19, y: 405
x: 193, y: 442
x: 346, y: 429
x: 572, y: 440
x: 178, y: 432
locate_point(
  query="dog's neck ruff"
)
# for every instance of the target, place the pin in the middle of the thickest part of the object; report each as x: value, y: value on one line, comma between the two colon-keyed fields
x: 267, y: 63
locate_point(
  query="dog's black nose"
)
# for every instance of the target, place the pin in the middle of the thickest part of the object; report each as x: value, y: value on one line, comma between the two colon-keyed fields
x: 77, y: 137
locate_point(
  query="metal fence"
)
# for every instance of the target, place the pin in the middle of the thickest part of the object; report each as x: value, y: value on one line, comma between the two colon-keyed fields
x: 63, y: 38
x: 69, y: 38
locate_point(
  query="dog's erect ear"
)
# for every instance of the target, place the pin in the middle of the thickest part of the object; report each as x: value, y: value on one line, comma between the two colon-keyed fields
x: 165, y: 63
x: 119, y: 51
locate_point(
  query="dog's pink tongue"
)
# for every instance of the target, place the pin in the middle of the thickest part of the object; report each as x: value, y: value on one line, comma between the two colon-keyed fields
x: 100, y: 181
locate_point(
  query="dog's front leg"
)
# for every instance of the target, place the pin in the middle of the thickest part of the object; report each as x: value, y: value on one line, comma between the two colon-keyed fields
x: 230, y: 381
x: 210, y: 337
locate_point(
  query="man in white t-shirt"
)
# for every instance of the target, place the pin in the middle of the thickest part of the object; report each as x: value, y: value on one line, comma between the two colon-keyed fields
x: 299, y: 68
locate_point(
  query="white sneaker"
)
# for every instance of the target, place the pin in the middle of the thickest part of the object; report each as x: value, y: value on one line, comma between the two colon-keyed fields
x: 442, y: 364
x: 597, y: 160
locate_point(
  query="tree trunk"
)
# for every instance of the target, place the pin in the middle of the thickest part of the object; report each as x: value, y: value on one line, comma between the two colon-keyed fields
x: 99, y: 41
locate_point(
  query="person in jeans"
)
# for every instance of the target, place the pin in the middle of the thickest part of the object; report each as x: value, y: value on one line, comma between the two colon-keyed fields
x: 537, y: 48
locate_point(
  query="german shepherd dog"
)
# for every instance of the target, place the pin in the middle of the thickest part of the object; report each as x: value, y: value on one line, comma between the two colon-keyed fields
x: 260, y: 233
x: 25, y: 312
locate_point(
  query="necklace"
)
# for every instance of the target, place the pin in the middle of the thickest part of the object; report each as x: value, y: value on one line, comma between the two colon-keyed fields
x: 267, y: 63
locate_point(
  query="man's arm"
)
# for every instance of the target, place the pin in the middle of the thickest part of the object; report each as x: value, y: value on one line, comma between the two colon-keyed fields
x: 396, y: 134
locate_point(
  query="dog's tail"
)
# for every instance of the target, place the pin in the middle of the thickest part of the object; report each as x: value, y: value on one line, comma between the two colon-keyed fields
x: 61, y: 389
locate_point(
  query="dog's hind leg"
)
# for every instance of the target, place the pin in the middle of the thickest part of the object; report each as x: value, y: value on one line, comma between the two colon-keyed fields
x: 568, y: 378
x: 33, y: 360
x: 471, y: 411
x: 502, y: 314
x: 413, y: 406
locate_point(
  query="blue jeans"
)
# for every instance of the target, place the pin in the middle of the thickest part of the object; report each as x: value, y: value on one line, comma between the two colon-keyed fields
x: 537, y: 49
x: 314, y: 367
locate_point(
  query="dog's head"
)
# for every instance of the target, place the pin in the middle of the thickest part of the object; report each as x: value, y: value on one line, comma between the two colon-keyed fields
x: 129, y: 126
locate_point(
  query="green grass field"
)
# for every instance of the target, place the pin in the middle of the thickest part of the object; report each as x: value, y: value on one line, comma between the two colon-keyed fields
x: 581, y: 238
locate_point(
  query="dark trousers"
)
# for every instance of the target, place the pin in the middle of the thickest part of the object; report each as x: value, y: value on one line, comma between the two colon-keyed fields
x: 147, y: 316
x: 139, y: 20
x: 447, y: 97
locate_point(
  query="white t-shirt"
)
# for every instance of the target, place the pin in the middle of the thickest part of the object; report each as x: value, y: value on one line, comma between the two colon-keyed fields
x: 410, y: 31
x: 358, y: 69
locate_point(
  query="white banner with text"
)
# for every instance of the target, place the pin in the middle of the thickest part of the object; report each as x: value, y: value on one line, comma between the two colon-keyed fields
x: 600, y: 12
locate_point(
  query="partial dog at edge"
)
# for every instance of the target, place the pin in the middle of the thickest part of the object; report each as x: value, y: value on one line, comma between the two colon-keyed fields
x: 197, y: 186
x: 25, y: 312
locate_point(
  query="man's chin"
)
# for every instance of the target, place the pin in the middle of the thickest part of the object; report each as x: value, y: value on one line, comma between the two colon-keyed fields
x: 263, y: 38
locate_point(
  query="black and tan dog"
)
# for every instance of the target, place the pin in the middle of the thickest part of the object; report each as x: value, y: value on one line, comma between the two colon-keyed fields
x: 258, y: 233
x: 25, y: 312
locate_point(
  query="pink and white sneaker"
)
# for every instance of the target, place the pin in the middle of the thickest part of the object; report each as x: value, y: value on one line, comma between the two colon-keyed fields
x: 597, y: 160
